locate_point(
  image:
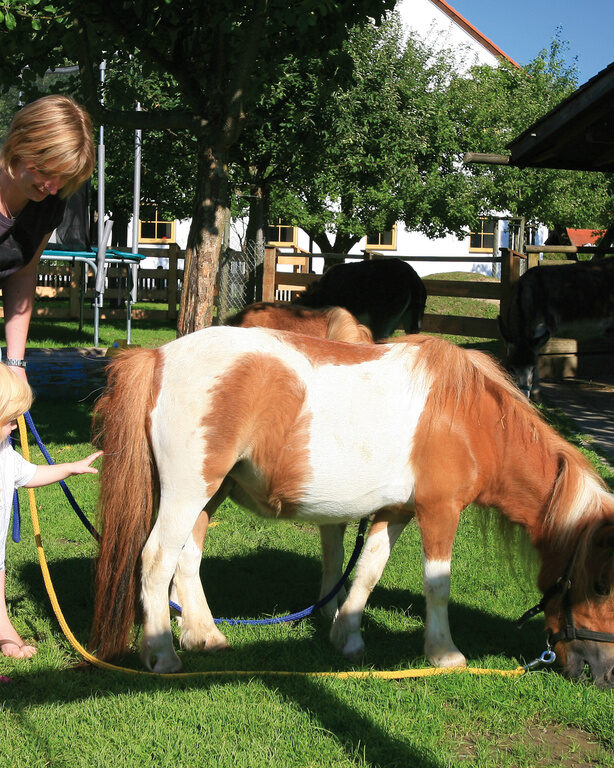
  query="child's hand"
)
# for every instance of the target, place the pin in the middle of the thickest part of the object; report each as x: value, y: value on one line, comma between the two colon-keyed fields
x: 82, y: 466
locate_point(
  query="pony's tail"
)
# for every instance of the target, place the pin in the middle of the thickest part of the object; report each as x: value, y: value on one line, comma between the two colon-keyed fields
x: 127, y: 490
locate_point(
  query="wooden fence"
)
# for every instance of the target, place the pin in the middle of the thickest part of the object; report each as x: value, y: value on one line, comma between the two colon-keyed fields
x: 278, y: 283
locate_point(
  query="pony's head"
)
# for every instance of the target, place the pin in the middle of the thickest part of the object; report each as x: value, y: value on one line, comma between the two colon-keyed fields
x: 579, y: 606
x: 521, y: 355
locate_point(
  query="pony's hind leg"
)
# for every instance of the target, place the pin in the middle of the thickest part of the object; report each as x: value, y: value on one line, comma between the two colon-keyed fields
x: 331, y: 537
x: 160, y: 557
x: 345, y: 632
x: 198, y: 629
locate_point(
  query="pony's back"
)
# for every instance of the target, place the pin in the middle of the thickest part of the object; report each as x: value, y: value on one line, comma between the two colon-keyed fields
x: 333, y: 323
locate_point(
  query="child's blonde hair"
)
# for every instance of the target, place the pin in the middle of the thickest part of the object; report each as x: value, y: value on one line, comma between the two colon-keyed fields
x: 15, y: 395
x: 54, y: 134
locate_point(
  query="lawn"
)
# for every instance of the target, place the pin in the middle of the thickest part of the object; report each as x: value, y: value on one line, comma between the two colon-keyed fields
x: 55, y: 713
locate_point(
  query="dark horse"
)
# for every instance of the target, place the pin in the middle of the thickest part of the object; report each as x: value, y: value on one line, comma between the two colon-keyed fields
x: 384, y: 294
x: 574, y: 300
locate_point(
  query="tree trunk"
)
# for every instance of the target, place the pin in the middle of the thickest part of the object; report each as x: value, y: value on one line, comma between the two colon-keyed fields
x: 204, y: 243
x: 254, y: 242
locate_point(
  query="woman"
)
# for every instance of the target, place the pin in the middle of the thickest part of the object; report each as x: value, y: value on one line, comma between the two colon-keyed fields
x: 47, y: 154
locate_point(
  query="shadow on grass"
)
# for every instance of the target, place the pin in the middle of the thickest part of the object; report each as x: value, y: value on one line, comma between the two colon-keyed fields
x: 273, y: 582
x: 262, y: 583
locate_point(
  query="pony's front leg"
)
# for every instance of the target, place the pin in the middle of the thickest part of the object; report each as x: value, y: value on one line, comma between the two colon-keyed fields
x: 331, y: 538
x: 345, y: 632
x: 198, y: 629
x: 438, y: 529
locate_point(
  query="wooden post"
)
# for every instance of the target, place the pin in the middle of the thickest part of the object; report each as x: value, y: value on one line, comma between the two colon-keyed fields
x: 76, y: 282
x: 268, y: 274
x: 510, y: 272
x: 171, y: 284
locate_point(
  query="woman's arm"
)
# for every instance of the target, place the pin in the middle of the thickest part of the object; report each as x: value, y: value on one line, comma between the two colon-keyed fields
x: 18, y: 292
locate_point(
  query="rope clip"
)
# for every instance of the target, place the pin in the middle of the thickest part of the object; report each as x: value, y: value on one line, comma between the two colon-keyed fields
x: 548, y: 657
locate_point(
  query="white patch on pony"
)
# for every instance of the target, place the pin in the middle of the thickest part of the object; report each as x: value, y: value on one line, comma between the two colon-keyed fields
x: 438, y: 644
x: 588, y: 500
x: 364, y: 419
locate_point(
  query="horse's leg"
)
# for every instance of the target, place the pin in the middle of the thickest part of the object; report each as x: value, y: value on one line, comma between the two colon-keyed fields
x: 438, y: 529
x: 385, y: 530
x: 331, y: 537
x: 176, y: 518
x: 198, y: 629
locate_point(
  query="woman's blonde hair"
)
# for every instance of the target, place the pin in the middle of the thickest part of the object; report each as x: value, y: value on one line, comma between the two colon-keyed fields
x: 15, y: 395
x: 54, y: 134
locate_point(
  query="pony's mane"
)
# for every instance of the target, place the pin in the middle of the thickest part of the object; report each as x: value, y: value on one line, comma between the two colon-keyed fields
x: 343, y: 326
x: 462, y: 376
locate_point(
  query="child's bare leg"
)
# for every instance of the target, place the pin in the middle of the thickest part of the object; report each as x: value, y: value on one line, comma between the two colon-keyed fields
x: 10, y: 643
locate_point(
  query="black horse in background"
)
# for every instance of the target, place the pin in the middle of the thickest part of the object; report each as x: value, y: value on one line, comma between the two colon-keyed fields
x: 575, y: 300
x: 383, y: 294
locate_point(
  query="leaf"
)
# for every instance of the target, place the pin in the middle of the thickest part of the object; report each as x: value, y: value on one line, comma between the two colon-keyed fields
x: 9, y: 20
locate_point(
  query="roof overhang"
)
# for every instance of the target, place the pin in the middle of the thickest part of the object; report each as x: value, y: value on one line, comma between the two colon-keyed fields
x: 578, y: 134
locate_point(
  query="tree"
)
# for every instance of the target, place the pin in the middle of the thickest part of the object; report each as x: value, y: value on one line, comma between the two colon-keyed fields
x: 346, y: 158
x: 218, y: 54
x: 493, y: 106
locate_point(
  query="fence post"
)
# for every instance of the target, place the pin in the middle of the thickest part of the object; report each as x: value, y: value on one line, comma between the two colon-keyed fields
x: 171, y: 284
x: 76, y: 282
x: 268, y: 274
x: 510, y: 272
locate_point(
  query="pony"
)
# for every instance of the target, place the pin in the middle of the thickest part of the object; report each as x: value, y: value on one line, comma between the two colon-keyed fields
x: 295, y: 427
x: 383, y: 294
x: 571, y: 299
x: 328, y: 323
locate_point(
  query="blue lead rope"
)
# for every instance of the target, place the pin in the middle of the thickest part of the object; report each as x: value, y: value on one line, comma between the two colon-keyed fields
x: 360, y: 538
x: 274, y: 620
x: 63, y: 486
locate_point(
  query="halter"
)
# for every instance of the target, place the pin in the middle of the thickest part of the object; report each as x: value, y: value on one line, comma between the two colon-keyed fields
x: 570, y: 631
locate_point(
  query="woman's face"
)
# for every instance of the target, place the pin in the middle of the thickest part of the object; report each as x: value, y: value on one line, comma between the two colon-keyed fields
x: 36, y: 183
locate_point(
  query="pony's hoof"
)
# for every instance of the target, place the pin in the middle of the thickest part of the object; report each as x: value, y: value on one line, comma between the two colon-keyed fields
x: 210, y: 642
x: 163, y: 664
x: 354, y: 648
x: 449, y: 659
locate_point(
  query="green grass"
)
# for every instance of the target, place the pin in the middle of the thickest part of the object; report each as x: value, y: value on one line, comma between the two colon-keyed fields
x: 47, y: 332
x: 54, y: 714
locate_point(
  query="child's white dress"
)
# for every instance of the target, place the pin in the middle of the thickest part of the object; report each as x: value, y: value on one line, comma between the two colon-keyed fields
x: 15, y: 471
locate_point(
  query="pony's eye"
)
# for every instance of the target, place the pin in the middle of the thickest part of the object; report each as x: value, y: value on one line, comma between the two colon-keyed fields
x: 601, y: 589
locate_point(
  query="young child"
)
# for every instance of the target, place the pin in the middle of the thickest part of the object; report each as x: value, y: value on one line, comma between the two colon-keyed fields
x: 15, y: 472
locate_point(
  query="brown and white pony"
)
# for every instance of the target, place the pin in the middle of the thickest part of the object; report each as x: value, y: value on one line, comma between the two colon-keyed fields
x: 303, y: 428
x: 333, y: 323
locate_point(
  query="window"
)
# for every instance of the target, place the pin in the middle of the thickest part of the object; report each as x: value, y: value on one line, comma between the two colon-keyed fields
x: 154, y: 230
x: 384, y: 241
x: 281, y: 235
x: 483, y: 240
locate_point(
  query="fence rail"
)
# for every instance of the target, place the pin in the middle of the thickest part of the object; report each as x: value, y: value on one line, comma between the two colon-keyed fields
x: 280, y: 285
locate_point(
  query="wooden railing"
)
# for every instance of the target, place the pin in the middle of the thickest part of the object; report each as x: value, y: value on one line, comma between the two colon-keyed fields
x: 277, y: 282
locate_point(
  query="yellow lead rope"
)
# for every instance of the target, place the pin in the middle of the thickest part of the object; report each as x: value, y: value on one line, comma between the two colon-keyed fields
x: 355, y: 674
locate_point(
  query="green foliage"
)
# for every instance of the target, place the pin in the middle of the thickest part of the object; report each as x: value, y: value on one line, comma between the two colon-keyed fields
x: 495, y: 105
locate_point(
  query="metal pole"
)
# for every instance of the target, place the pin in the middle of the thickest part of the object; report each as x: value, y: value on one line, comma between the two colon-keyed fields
x: 98, y: 298
x: 136, y: 203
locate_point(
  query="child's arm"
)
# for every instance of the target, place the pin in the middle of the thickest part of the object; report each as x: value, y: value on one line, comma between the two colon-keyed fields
x: 51, y: 473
